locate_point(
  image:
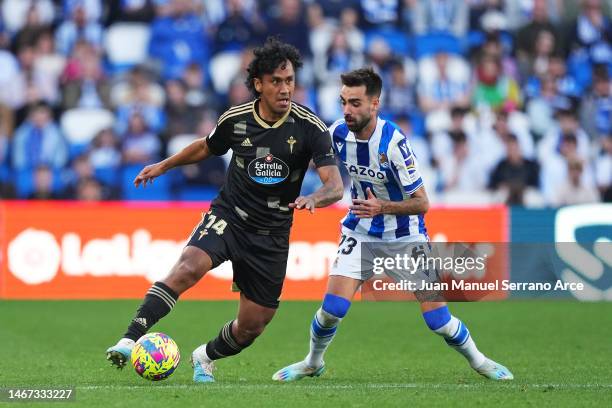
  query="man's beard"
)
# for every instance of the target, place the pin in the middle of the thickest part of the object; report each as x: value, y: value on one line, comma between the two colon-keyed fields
x: 358, y: 126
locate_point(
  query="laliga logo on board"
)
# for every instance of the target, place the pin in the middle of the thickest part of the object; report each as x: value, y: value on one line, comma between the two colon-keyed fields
x: 592, y: 269
x: 36, y: 257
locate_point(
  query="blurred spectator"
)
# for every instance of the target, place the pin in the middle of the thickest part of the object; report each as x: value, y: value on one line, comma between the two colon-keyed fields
x: 238, y: 93
x: 78, y: 28
x: 596, y: 106
x: 603, y: 168
x: 574, y: 189
x: 90, y: 89
x: 210, y: 172
x: 522, y: 14
x: 38, y: 141
x: 242, y: 25
x: 321, y: 30
x: 15, y: 13
x: 435, y: 16
x: 11, y: 93
x: 514, y: 173
x: 349, y: 20
x: 140, y: 145
x: 529, y: 43
x: 591, y: 32
x: 43, y: 184
x: 29, y: 32
x: 493, y: 143
x: 138, y: 87
x: 104, y: 152
x: 89, y: 189
x: 535, y: 61
x: 443, y: 82
x: 463, y: 170
x: 399, y: 96
x: 540, y: 109
x: 135, y: 11
x: 380, y: 13
x: 555, y: 168
x: 487, y: 15
x: 335, y: 8
x: 339, y: 58
x: 181, y: 118
x: 31, y: 84
x: 567, y: 124
x: 92, y: 8
x: 493, y: 88
x: 198, y: 93
x: 178, y: 39
x: 80, y: 168
x: 494, y: 47
x: 289, y: 24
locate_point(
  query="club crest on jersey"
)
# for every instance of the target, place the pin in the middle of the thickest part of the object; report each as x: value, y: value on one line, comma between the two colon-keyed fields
x: 268, y: 170
x: 291, y: 141
x: 383, y: 160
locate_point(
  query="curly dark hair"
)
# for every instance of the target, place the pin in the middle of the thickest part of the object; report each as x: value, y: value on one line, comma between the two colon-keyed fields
x: 364, y: 76
x: 269, y: 57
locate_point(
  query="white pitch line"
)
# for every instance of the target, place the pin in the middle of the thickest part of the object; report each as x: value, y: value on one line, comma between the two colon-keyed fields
x: 344, y: 386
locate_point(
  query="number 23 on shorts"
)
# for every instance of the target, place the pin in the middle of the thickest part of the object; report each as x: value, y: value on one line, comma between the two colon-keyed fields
x: 346, y: 245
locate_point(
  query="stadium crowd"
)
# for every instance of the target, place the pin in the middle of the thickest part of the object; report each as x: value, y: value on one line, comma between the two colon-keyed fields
x: 503, y: 101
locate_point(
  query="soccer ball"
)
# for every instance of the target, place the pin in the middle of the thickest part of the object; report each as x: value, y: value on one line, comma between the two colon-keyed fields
x: 155, y: 356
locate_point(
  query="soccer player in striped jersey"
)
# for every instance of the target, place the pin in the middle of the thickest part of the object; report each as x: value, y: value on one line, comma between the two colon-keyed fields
x: 389, y: 201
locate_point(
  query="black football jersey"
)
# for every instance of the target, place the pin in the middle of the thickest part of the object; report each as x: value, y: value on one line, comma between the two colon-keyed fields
x: 268, y: 163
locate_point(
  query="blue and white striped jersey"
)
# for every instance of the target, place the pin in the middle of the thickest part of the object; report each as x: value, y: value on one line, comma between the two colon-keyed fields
x: 387, y: 165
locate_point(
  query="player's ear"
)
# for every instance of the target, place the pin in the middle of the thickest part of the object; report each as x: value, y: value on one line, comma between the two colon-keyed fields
x: 257, y: 84
x: 375, y: 103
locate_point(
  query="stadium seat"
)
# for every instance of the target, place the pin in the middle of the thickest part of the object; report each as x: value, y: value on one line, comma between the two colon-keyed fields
x: 223, y: 68
x: 178, y: 142
x: 107, y: 175
x: 126, y: 44
x: 159, y: 190
x: 197, y: 193
x: 5, y: 172
x: 80, y: 125
x: 431, y: 43
x: 397, y: 40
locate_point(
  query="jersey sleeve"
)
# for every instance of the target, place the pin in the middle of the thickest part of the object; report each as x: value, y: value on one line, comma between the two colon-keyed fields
x: 404, y: 165
x: 321, y: 148
x: 219, y: 140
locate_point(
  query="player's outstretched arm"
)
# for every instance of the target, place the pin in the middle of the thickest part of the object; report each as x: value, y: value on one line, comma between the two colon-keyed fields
x: 330, y: 192
x: 418, y: 203
x: 196, y: 151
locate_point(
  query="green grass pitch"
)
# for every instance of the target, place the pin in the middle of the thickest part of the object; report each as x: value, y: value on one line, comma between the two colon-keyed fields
x: 559, y: 351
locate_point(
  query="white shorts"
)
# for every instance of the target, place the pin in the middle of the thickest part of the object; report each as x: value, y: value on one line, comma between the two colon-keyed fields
x: 350, y: 262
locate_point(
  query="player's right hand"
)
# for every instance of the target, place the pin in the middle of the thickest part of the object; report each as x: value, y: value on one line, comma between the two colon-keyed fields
x: 148, y: 174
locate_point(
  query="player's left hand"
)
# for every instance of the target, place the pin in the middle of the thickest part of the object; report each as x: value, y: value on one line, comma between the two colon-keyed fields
x: 368, y: 208
x: 302, y: 202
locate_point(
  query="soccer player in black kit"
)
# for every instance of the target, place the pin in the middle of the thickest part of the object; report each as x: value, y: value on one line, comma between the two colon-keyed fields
x: 273, y: 140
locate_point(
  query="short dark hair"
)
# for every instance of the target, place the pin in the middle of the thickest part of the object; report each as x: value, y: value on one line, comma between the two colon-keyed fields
x: 268, y: 58
x: 364, y: 76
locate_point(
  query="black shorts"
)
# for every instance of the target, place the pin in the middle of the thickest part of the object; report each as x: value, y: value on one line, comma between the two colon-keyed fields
x: 259, y: 261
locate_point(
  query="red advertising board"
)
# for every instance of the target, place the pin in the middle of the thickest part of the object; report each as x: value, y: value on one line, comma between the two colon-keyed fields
x: 73, y: 250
